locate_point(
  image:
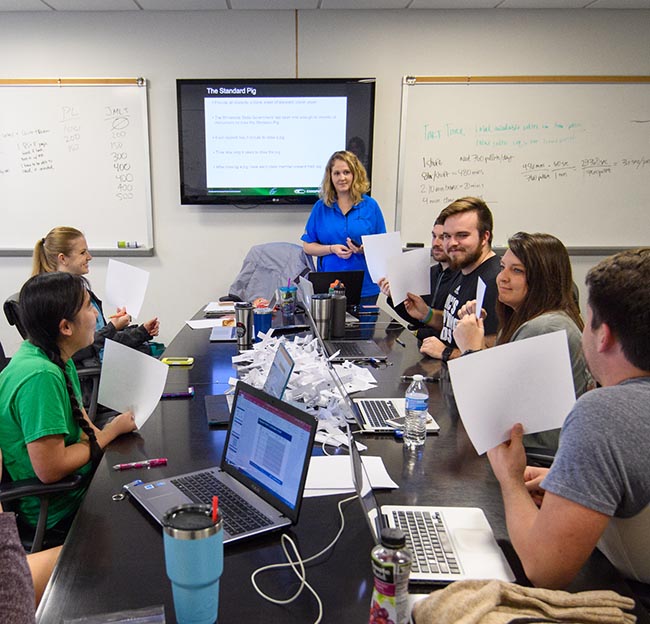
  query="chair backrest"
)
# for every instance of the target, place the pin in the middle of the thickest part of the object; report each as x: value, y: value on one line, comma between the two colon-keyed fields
x: 268, y: 266
x: 12, y: 312
x: 4, y: 360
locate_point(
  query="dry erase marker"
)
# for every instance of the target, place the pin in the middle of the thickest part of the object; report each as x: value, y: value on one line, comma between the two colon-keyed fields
x: 399, y: 342
x: 179, y: 395
x: 128, y: 244
x: 145, y: 463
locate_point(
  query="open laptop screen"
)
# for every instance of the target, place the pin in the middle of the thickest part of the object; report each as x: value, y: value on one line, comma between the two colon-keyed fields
x: 268, y: 447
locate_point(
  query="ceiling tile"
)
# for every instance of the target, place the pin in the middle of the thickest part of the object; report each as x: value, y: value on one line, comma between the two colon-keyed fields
x: 546, y: 4
x: 620, y: 4
x: 364, y: 4
x: 184, y: 5
x: 453, y: 4
x: 93, y: 5
x: 274, y: 4
x: 23, y: 5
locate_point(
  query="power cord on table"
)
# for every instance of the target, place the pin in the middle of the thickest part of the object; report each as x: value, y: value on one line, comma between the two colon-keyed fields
x: 297, y: 565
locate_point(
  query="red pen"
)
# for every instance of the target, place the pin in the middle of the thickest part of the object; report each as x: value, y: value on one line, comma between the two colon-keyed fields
x: 145, y: 463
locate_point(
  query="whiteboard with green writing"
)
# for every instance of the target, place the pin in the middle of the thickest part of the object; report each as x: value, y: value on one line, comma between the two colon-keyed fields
x: 565, y: 155
x: 75, y: 152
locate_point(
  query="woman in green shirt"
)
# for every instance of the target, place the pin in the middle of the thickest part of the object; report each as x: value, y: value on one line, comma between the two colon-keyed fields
x: 44, y: 430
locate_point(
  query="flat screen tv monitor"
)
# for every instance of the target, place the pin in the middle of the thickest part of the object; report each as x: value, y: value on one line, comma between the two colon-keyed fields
x: 267, y: 141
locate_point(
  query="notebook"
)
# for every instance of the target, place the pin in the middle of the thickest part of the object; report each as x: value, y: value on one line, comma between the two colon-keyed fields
x: 354, y: 350
x: 261, y: 479
x: 353, y: 281
x: 447, y: 543
x: 385, y: 415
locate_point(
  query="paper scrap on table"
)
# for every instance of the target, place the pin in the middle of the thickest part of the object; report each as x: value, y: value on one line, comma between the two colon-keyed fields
x: 528, y: 381
x: 131, y: 380
x: 332, y: 474
x: 480, y: 295
x: 377, y: 249
x: 126, y: 286
x: 409, y: 272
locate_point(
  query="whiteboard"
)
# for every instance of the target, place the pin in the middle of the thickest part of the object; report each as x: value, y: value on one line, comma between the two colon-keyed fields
x: 559, y: 155
x: 75, y: 153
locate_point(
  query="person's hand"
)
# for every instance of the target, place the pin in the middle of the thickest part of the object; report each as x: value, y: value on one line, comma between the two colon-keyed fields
x: 384, y: 286
x: 508, y: 460
x: 120, y: 319
x: 152, y: 326
x: 341, y: 251
x: 469, y: 333
x: 533, y: 476
x: 433, y: 347
x: 123, y: 423
x: 416, y: 307
x: 354, y: 248
x: 470, y: 308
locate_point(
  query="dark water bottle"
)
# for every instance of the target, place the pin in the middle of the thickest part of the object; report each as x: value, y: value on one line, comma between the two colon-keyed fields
x: 339, y: 305
x: 391, y: 567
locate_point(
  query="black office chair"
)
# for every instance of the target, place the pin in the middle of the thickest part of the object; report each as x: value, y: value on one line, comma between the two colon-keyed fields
x: 4, y: 360
x: 11, y: 491
x: 87, y: 374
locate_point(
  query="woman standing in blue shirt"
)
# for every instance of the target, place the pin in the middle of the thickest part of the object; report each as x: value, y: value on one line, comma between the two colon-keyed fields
x: 339, y: 219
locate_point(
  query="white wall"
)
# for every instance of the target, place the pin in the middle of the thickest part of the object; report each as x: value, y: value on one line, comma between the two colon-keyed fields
x: 199, y: 250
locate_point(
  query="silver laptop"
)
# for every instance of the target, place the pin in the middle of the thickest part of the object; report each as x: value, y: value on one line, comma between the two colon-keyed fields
x: 386, y: 416
x: 279, y: 373
x: 340, y: 350
x: 447, y: 543
x: 261, y: 479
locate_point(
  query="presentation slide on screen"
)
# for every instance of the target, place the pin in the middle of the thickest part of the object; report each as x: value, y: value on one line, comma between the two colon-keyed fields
x: 266, y: 143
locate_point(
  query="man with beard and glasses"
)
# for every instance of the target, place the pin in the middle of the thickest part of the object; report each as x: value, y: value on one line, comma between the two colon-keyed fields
x: 442, y: 276
x: 467, y: 234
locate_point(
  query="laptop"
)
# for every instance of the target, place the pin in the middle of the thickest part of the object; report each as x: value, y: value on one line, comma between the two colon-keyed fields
x: 386, y: 415
x: 447, y: 543
x: 223, y: 334
x: 261, y: 479
x: 353, y: 281
x: 341, y: 350
x: 218, y: 406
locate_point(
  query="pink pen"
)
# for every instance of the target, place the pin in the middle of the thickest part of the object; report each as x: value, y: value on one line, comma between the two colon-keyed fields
x: 145, y: 463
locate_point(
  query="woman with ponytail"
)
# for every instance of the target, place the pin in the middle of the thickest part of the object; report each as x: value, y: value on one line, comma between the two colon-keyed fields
x: 44, y: 430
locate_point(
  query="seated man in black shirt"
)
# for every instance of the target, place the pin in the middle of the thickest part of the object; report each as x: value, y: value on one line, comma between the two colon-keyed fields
x: 467, y: 233
x: 441, y: 277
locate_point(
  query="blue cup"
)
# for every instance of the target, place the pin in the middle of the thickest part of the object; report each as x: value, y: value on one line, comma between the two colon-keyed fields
x: 262, y: 319
x: 194, y: 562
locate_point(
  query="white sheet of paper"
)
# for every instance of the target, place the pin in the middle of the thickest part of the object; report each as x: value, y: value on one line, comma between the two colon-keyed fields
x: 203, y: 323
x: 527, y: 381
x: 377, y: 249
x: 131, y: 380
x: 220, y: 306
x: 334, y: 472
x: 126, y: 286
x: 480, y: 295
x: 409, y: 272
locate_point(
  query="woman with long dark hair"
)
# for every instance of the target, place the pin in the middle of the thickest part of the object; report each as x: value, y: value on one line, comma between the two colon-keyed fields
x: 44, y: 430
x: 536, y: 297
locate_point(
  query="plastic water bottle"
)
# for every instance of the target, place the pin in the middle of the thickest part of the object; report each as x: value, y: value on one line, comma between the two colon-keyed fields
x: 391, y: 567
x: 417, y: 406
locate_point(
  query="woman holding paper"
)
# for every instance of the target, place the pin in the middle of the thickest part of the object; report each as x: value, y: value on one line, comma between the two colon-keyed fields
x: 339, y: 219
x: 44, y: 430
x: 65, y: 249
x: 535, y: 297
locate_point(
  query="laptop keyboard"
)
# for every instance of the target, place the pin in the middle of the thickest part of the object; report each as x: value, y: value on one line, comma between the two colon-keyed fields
x: 428, y: 541
x: 238, y: 515
x: 378, y: 412
x: 348, y: 349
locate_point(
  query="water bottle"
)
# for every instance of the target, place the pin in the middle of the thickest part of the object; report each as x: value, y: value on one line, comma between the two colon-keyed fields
x: 417, y: 405
x: 391, y: 566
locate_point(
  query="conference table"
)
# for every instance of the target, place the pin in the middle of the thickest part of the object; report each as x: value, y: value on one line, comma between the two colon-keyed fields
x: 113, y: 558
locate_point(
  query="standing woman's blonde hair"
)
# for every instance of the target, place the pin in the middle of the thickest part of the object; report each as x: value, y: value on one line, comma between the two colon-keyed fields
x: 360, y: 184
x: 46, y: 251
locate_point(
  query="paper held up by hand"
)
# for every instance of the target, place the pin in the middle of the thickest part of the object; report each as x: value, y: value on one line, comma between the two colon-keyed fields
x: 377, y: 249
x: 409, y: 272
x: 126, y: 286
x: 528, y: 381
x: 131, y: 380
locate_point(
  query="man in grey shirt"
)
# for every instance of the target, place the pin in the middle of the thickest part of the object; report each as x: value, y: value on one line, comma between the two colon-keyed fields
x: 597, y: 492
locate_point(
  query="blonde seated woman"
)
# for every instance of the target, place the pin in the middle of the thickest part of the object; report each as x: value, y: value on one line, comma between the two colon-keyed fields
x: 535, y: 297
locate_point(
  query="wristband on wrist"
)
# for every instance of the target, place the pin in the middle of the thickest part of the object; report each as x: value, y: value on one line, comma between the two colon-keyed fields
x: 446, y: 353
x: 428, y: 317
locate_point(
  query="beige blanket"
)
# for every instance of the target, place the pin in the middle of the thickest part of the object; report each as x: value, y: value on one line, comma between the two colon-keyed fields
x: 497, y: 602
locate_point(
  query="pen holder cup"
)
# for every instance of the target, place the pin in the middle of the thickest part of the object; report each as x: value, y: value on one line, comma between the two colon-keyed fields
x: 288, y: 303
x: 321, y: 311
x: 194, y: 562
